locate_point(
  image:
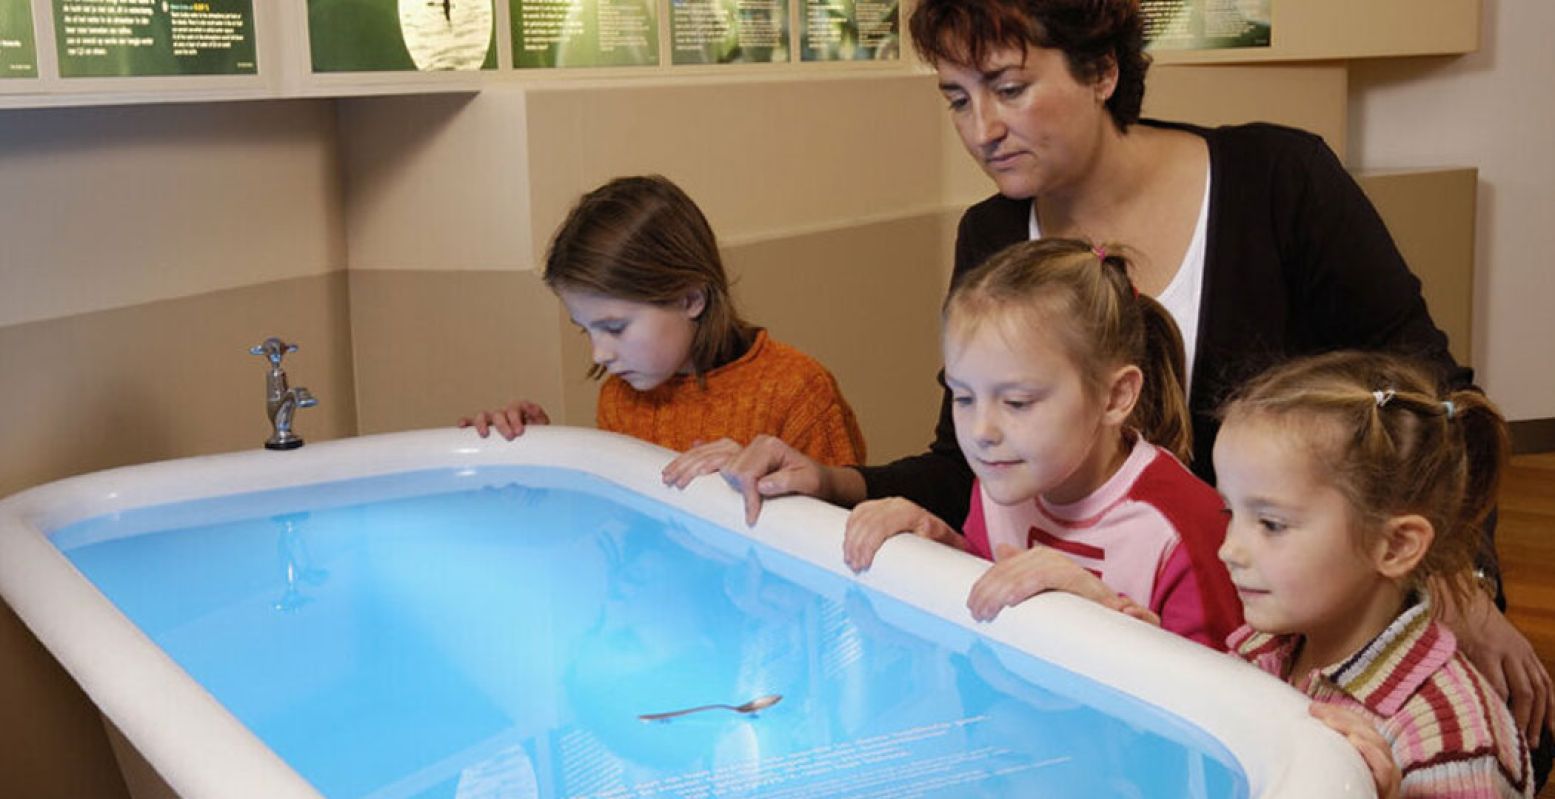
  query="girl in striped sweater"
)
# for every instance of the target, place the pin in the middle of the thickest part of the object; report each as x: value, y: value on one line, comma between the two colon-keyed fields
x: 1355, y: 491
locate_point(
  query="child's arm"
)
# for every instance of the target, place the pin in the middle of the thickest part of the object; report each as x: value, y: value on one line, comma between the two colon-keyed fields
x: 1018, y: 575
x: 1366, y: 740
x: 509, y: 421
x: 872, y: 522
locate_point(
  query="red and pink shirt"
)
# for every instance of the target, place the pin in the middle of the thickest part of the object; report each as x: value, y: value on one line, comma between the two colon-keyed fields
x: 1150, y: 532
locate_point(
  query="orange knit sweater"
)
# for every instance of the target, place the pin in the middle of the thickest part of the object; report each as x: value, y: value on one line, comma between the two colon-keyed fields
x: 772, y: 388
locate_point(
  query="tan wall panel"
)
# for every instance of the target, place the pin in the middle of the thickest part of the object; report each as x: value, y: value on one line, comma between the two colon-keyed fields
x: 433, y: 346
x: 168, y: 379
x: 437, y: 181
x: 110, y: 207
x: 1431, y: 216
x: 1313, y: 97
x: 763, y: 158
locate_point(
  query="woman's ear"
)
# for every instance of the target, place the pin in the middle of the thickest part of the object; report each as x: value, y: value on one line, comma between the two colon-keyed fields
x: 1405, y: 541
x: 694, y: 303
x: 1106, y: 81
x: 1123, y: 394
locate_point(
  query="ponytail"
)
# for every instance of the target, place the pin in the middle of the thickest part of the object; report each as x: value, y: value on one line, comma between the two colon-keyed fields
x: 1161, y: 414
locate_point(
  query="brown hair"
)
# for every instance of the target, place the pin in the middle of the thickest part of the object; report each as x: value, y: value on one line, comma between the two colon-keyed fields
x: 1084, y: 296
x: 1093, y: 35
x: 1393, y: 444
x: 642, y: 239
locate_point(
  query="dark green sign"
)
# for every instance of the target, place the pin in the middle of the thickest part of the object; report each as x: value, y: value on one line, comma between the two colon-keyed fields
x: 402, y: 35
x: 728, y: 31
x: 584, y: 33
x: 851, y: 30
x: 122, y: 38
x: 18, y: 50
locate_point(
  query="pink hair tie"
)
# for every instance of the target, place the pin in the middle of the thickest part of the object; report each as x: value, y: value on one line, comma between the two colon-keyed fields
x: 1100, y: 251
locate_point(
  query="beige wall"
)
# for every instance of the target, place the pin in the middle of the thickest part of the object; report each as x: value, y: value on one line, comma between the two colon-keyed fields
x: 1493, y: 109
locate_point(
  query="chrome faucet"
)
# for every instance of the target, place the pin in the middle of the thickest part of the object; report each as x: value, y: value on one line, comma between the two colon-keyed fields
x: 281, y: 401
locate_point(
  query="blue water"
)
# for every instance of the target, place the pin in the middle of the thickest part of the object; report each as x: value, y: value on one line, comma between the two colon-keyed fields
x: 496, y: 633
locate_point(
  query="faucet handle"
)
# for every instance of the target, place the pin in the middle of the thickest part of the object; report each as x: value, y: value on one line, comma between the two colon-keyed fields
x: 273, y: 349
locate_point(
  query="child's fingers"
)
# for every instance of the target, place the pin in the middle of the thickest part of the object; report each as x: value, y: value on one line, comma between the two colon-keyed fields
x: 533, y: 413
x: 1369, y: 743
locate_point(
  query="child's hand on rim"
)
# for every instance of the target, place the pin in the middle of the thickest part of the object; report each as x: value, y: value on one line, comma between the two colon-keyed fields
x: 1017, y: 576
x: 509, y: 422
x: 1367, y: 741
x: 703, y: 458
x: 872, y: 522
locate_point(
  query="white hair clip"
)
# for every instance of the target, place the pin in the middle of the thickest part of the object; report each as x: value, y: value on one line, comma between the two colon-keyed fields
x: 1451, y: 409
x: 1383, y: 397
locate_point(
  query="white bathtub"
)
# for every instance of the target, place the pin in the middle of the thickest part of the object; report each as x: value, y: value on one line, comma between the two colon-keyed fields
x: 201, y: 750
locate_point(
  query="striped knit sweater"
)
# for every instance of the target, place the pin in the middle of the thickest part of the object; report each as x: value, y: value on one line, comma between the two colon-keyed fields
x: 772, y: 388
x: 1452, y: 736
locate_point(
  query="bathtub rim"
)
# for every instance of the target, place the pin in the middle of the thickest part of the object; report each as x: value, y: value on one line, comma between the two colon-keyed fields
x: 148, y: 696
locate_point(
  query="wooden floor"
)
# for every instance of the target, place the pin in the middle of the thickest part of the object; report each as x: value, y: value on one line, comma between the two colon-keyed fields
x: 1525, y: 537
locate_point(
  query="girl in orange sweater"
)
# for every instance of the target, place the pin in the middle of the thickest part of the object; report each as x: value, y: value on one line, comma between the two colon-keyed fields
x: 637, y: 267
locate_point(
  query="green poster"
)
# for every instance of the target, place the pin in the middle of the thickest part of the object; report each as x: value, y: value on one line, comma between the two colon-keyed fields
x: 1206, y: 24
x: 118, y: 38
x: 402, y: 35
x: 18, y: 51
x: 851, y: 30
x: 728, y: 31
x: 585, y: 33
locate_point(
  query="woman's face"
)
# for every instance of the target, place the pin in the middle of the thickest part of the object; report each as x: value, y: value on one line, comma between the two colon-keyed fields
x: 1026, y: 120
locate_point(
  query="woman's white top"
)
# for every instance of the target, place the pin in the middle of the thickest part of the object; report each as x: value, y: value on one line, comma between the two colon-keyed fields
x: 1182, y: 296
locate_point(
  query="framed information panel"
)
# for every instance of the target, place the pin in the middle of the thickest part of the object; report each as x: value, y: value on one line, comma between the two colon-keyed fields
x: 402, y: 35
x: 145, y: 38
x: 18, y: 43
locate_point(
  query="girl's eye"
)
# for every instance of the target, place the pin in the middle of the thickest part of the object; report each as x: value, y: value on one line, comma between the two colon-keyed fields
x: 961, y: 401
x: 613, y: 329
x: 1271, y: 525
x: 1010, y: 91
x: 1018, y: 404
x: 956, y: 103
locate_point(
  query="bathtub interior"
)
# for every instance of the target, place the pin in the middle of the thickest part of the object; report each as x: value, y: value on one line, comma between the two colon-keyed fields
x: 352, y: 659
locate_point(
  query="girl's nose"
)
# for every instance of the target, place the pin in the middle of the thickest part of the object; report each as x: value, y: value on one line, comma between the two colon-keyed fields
x: 1230, y: 551
x: 603, y: 353
x: 984, y: 427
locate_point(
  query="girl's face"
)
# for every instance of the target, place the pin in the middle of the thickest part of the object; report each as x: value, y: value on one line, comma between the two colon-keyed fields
x: 642, y: 343
x: 1291, y: 543
x: 1026, y: 120
x: 1024, y: 419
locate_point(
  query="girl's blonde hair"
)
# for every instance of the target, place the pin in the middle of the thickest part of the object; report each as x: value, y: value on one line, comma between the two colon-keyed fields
x: 1082, y: 297
x: 642, y: 239
x: 1393, y: 443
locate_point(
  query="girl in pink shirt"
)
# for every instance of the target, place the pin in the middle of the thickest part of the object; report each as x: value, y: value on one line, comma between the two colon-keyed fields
x: 1068, y: 403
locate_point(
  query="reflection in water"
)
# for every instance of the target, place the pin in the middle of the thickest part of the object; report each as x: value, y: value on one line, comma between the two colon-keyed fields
x: 296, y: 563
x: 491, y: 638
